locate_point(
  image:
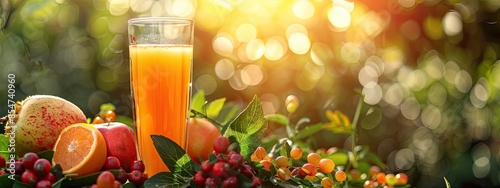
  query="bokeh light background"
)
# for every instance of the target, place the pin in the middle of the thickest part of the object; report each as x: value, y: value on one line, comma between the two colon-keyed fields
x: 429, y: 69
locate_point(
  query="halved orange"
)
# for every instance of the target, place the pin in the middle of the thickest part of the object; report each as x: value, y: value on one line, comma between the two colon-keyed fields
x: 80, y: 149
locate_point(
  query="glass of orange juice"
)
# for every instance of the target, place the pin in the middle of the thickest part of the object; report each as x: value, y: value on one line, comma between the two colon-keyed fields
x: 161, y: 53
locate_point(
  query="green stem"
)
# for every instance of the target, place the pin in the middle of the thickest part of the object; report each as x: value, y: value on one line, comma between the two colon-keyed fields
x: 196, y: 113
x: 355, y: 122
x: 354, y: 132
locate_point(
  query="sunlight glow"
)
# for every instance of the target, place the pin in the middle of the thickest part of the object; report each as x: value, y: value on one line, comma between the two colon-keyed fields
x: 303, y: 9
x: 339, y: 17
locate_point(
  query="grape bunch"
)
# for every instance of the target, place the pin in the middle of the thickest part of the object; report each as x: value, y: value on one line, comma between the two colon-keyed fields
x: 225, y: 170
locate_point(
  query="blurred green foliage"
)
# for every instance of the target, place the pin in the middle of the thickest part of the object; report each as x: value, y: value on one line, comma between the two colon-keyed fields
x: 429, y: 69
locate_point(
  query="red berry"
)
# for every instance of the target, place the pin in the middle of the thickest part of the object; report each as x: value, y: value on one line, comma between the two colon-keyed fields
x: 41, y: 167
x: 211, y: 182
x: 136, y: 177
x: 137, y: 165
x: 199, y: 179
x: 18, y: 167
x: 29, y: 159
x: 219, y: 169
x: 230, y: 182
x: 122, y: 176
x: 44, y: 184
x: 112, y: 163
x: 51, y: 177
x: 117, y: 184
x: 257, y: 182
x: 2, y: 161
x: 2, y: 172
x: 106, y: 180
x: 221, y: 144
x: 206, y: 167
x: 235, y: 160
x: 247, y: 171
x: 29, y: 177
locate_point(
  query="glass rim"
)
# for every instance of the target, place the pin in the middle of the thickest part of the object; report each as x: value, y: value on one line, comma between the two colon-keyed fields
x: 160, y: 20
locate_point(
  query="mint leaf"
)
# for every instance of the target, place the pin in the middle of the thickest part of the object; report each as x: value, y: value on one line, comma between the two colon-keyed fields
x: 167, y: 179
x: 176, y: 159
x: 248, y: 127
x: 214, y: 107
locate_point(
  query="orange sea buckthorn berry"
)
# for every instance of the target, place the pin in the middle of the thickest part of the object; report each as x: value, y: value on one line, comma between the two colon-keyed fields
x: 310, y: 178
x: 282, y: 161
x: 340, y: 176
x: 326, y: 182
x: 326, y: 165
x: 292, y: 103
x: 296, y: 153
x: 380, y: 177
x: 309, y: 169
x: 390, y: 179
x: 313, y: 158
x: 284, y: 173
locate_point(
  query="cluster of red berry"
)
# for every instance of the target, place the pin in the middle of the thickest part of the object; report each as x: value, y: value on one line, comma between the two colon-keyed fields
x: 33, y: 170
x: 107, y: 179
x: 224, y: 171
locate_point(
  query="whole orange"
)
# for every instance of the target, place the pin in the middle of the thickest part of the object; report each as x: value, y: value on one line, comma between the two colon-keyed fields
x: 201, y: 136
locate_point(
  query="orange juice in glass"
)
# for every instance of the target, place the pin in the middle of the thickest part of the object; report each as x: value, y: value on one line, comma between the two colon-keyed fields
x: 161, y: 52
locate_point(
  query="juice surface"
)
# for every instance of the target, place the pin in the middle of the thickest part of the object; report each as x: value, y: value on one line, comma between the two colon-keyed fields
x: 160, y: 79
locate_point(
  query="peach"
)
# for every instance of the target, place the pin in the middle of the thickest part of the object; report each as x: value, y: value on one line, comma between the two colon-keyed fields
x: 201, y: 137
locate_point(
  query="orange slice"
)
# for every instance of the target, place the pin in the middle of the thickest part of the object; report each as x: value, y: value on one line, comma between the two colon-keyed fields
x: 80, y: 149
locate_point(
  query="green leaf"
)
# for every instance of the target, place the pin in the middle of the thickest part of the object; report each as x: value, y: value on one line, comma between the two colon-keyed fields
x: 447, y: 183
x: 107, y: 106
x: 198, y: 101
x: 375, y: 159
x: 167, y: 179
x: 5, y: 181
x: 58, y: 183
x: 248, y: 127
x: 340, y: 158
x: 46, y: 155
x: 18, y: 184
x: 214, y: 107
x: 176, y: 159
x: 228, y: 112
x: 4, y: 146
x: 308, y: 131
x: 278, y: 118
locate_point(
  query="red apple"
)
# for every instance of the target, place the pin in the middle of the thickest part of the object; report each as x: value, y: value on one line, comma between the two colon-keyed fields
x: 201, y: 137
x: 120, y: 141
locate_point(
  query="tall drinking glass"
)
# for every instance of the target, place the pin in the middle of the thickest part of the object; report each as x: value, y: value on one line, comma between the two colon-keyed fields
x: 161, y: 53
